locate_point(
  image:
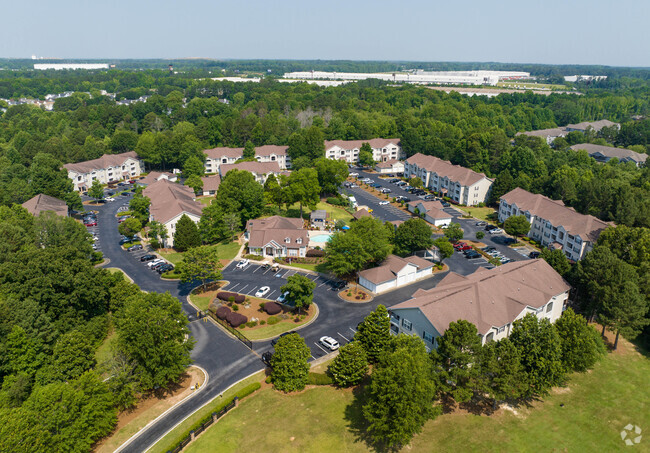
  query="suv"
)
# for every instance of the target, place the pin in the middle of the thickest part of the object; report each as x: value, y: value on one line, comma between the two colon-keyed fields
x: 533, y: 255
x: 166, y: 267
x: 147, y: 258
x: 243, y: 264
x: 329, y: 342
x: 134, y: 248
x: 266, y: 358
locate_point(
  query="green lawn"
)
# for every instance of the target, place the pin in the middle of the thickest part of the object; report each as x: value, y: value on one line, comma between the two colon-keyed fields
x: 172, y: 257
x: 322, y: 267
x: 201, y: 302
x: 117, y: 270
x: 167, y: 443
x: 206, y: 200
x: 224, y: 251
x: 588, y: 415
x: 479, y: 213
x: 103, y: 352
x: 532, y: 85
x: 335, y: 212
x: 266, y: 332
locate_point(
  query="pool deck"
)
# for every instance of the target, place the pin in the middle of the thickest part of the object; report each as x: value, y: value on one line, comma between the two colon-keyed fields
x: 312, y: 234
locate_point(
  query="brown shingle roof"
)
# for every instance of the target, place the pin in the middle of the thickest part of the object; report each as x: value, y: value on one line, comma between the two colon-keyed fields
x: 220, y: 152
x: 267, y: 150
x: 260, y: 168
x: 169, y: 199
x: 277, y: 229
x: 611, y: 152
x: 587, y: 226
x: 433, y: 209
x: 41, y: 203
x: 387, y: 164
x: 352, y: 144
x: 390, y: 267
x: 490, y: 298
x: 155, y: 176
x: 553, y: 132
x: 464, y: 176
x: 211, y: 182
x: 361, y: 213
x: 595, y: 125
x: 107, y: 160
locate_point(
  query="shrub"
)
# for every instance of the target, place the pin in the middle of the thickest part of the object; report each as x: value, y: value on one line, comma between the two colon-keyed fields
x: 272, y: 320
x: 262, y: 305
x: 254, y: 257
x: 223, y: 312
x: 318, y: 379
x: 272, y: 308
x: 251, y: 323
x: 262, y: 322
x: 236, y: 319
x: 337, y: 201
x: 235, y: 307
x: 231, y: 297
x: 315, y: 253
x: 480, y: 235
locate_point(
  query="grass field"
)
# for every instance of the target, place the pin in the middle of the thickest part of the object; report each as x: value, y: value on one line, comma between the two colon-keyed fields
x: 224, y: 251
x: 117, y: 270
x: 479, y: 213
x: 588, y: 415
x: 335, y: 212
x: 206, y: 200
x: 322, y: 267
x: 266, y: 332
x: 103, y: 352
x: 532, y: 86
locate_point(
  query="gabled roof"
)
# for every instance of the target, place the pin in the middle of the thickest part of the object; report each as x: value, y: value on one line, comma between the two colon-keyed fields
x: 387, y: 164
x: 361, y: 213
x: 260, y: 168
x: 277, y: 229
x: 169, y: 199
x: 318, y: 214
x: 156, y: 176
x: 433, y: 209
x: 462, y: 175
x: 595, y: 125
x: 267, y: 150
x: 107, y: 160
x: 211, y: 182
x: 41, y: 203
x: 489, y: 298
x: 611, y: 152
x: 587, y: 226
x: 391, y: 266
x: 552, y: 132
x: 356, y: 144
x: 221, y: 152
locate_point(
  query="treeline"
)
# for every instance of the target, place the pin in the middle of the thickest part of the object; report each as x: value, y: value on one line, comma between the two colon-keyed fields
x: 56, y: 309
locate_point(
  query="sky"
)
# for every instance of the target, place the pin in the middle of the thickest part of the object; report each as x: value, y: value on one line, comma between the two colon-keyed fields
x: 606, y: 32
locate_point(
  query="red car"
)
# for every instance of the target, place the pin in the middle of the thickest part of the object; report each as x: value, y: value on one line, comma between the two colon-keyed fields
x: 89, y: 224
x: 461, y: 246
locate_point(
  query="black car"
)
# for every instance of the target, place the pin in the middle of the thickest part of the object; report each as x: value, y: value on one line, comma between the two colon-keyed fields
x: 275, y: 340
x: 445, y: 204
x: 471, y: 254
x: 166, y: 267
x: 533, y: 255
x: 507, y: 241
x: 266, y: 358
x: 489, y: 249
x: 124, y: 239
x: 159, y: 265
x: 147, y: 258
x: 489, y: 227
x: 339, y: 285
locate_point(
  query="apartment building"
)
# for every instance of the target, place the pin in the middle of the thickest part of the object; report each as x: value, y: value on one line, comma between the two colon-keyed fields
x: 552, y: 223
x: 216, y: 157
x: 606, y: 153
x: 260, y: 170
x: 107, y: 169
x: 383, y: 149
x: 551, y: 134
x: 491, y: 299
x: 273, y: 153
x: 460, y: 184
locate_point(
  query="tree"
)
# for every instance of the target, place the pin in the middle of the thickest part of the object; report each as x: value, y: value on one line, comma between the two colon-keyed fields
x: 152, y: 331
x: 193, y: 166
x: 200, y: 263
x: 289, y: 363
x: 345, y: 254
x: 157, y: 232
x: 302, y: 187
x: 416, y: 182
x: 186, y: 235
x: 301, y: 290
x: 130, y: 227
x: 400, y: 396
x: 445, y: 249
x: 480, y: 235
x: 454, y: 232
x: 366, y: 158
x: 139, y: 207
x: 502, y: 372
x: 73, y: 355
x: 625, y: 311
x: 374, y: 236
x: 274, y: 193
x: 458, y: 356
x: 195, y: 182
x: 124, y: 140
x: 331, y: 174
x: 240, y: 193
x: 249, y: 151
x: 581, y: 344
x: 307, y: 143
x: 212, y: 227
x: 516, y: 225
x: 558, y: 260
x: 232, y: 222
x: 374, y: 333
x: 541, y: 354
x: 411, y: 236
x: 96, y: 190
x: 350, y: 366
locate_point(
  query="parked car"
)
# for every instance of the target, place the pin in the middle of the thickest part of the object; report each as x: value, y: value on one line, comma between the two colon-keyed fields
x: 134, y: 248
x: 329, y: 342
x: 147, y: 258
x: 266, y: 358
x: 496, y: 231
x: 534, y: 255
x: 481, y: 223
x: 165, y: 268
x: 91, y: 223
x: 242, y: 264
x: 445, y: 204
x: 155, y: 262
x: 275, y: 340
x: 354, y: 174
x: 263, y: 291
x: 489, y: 227
x: 282, y: 298
x: 471, y: 254
x: 266, y: 266
x: 489, y: 249
x: 461, y: 246
x: 339, y: 285
x: 126, y: 240
x: 354, y: 186
x: 384, y: 203
x: 157, y: 266
x: 429, y: 197
x: 385, y: 190
x: 507, y: 241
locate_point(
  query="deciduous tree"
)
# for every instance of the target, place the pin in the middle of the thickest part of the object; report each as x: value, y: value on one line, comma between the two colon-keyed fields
x: 454, y: 232
x: 200, y: 263
x: 301, y: 290
x: 289, y: 363
x: 350, y: 366
x: 516, y: 225
x: 186, y: 235
x: 240, y: 193
x: 581, y: 344
x: 412, y: 236
x: 374, y: 333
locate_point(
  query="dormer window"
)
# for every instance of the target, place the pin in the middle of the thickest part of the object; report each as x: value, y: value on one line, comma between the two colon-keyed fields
x: 287, y: 240
x: 224, y: 161
x: 299, y: 241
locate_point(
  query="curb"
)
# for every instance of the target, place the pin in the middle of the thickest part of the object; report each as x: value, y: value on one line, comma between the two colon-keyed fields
x: 152, y: 422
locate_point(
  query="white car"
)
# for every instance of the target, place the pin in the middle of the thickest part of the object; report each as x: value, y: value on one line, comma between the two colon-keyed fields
x: 353, y: 186
x: 242, y: 264
x: 496, y: 231
x: 384, y: 203
x: 263, y: 291
x: 110, y: 199
x: 283, y: 297
x: 155, y: 262
x: 354, y: 174
x: 329, y: 342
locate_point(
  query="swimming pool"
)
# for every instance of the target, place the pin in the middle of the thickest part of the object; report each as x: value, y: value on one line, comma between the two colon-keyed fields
x: 320, y: 238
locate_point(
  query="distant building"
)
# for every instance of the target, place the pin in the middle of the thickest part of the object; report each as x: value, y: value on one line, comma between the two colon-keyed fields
x: 215, y: 157
x: 318, y: 218
x: 42, y: 203
x: 395, y: 272
x: 273, y: 153
x: 491, y: 299
x: 606, y: 153
x: 391, y: 166
x: 551, y: 134
x: 432, y: 211
x: 211, y: 184
x: 157, y: 176
x: 169, y: 202
x: 277, y: 236
x: 383, y: 149
x: 361, y: 213
x: 460, y: 184
x: 583, y: 78
x: 59, y: 66
x: 260, y: 170
x: 552, y: 223
x: 107, y: 169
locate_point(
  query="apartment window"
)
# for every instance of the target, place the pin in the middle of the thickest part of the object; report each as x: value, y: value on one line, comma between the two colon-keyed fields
x: 501, y: 329
x: 293, y: 252
x: 407, y: 325
x: 561, y: 235
x: 224, y: 161
x: 394, y: 317
x: 549, y: 307
x: 427, y: 337
x: 79, y: 178
x: 490, y: 337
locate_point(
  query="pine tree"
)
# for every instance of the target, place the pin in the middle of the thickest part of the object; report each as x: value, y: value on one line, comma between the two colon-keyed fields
x: 186, y: 235
x: 350, y: 366
x: 374, y: 333
x: 289, y: 363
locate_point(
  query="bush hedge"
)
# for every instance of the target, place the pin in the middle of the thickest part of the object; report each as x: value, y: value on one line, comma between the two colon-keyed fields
x: 222, y: 312
x: 337, y: 201
x: 272, y: 308
x: 254, y: 257
x: 225, y: 295
x: 315, y: 253
x: 236, y: 319
x: 272, y: 320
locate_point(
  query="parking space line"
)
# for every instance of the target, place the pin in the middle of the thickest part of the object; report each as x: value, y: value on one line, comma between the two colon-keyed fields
x: 354, y: 331
x: 268, y: 296
x: 319, y: 347
x: 251, y: 291
x: 257, y: 269
x: 324, y: 283
x: 343, y: 337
